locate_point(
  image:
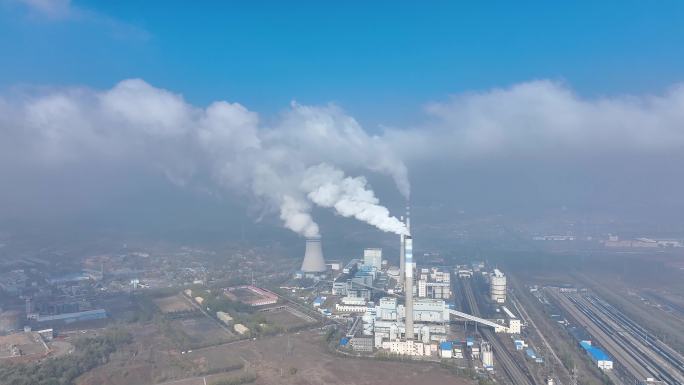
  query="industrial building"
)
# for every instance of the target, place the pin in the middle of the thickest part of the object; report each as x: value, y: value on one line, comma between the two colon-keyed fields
x: 600, y: 358
x: 497, y: 286
x: 251, y: 295
x: 351, y: 305
x: 384, y: 321
x: 224, y: 317
x: 486, y: 355
x: 434, y: 283
x: 514, y: 324
x: 408, y: 348
x: 531, y: 354
x: 362, y: 344
x: 373, y: 258
x: 446, y: 349
x: 241, y: 329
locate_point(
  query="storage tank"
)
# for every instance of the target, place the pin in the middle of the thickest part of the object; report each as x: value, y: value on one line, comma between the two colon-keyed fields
x: 497, y: 286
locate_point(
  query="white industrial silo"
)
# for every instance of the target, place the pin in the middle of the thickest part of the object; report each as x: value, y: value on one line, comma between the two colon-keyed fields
x: 497, y: 286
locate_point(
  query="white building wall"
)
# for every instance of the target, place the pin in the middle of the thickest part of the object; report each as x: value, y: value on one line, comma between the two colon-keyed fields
x: 373, y: 257
x: 605, y: 364
x: 514, y: 326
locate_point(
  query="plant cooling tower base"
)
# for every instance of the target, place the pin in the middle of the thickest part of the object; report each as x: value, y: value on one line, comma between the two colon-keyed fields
x: 313, y: 256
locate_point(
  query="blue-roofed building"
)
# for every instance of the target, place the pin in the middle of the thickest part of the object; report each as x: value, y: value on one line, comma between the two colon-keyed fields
x: 446, y: 349
x: 344, y: 341
x: 602, y: 360
x: 519, y: 344
x: 531, y: 354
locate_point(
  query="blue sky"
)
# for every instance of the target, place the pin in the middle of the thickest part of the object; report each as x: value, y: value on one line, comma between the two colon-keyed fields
x: 381, y: 61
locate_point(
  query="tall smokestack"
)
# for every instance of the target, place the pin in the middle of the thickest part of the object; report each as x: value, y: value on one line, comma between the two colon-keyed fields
x: 408, y: 287
x: 313, y: 256
x: 402, y: 256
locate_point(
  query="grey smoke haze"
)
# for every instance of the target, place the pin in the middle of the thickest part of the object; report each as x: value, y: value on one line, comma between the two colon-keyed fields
x: 502, y: 139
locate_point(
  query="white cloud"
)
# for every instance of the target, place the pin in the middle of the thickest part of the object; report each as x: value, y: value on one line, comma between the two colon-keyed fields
x: 544, y: 117
x: 278, y: 167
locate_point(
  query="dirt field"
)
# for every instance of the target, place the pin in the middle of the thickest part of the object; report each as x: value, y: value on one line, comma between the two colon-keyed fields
x: 201, y: 380
x: 202, y: 331
x: 305, y: 362
x: 28, y: 343
x: 172, y: 304
x: 285, y: 319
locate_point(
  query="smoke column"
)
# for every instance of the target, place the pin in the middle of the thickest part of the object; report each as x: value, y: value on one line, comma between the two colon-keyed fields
x: 328, y: 187
x: 222, y: 146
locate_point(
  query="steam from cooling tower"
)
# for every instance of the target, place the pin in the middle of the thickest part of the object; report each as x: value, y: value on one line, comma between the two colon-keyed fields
x: 328, y: 187
x: 296, y: 217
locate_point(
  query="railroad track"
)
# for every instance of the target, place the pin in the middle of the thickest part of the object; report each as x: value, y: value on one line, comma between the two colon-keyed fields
x: 514, y: 373
x: 671, y: 356
x: 657, y: 360
x: 639, y: 361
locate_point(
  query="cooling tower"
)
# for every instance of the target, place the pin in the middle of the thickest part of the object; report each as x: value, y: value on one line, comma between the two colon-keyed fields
x: 313, y: 256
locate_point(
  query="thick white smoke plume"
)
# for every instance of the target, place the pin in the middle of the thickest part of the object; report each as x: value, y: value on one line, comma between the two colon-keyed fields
x: 296, y: 162
x: 327, y: 186
x: 135, y: 123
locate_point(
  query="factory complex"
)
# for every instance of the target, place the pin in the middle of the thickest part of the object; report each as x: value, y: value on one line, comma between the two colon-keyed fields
x: 403, y: 310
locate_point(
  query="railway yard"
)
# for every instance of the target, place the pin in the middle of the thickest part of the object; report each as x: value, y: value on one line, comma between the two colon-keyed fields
x: 639, y: 356
x: 515, y: 372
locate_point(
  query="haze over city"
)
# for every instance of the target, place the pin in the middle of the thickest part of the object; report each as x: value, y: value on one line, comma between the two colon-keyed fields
x: 204, y: 180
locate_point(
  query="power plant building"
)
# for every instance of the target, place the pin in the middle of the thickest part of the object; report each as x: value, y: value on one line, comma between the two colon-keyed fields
x: 434, y: 283
x: 384, y: 321
x: 497, y: 286
x: 373, y: 258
